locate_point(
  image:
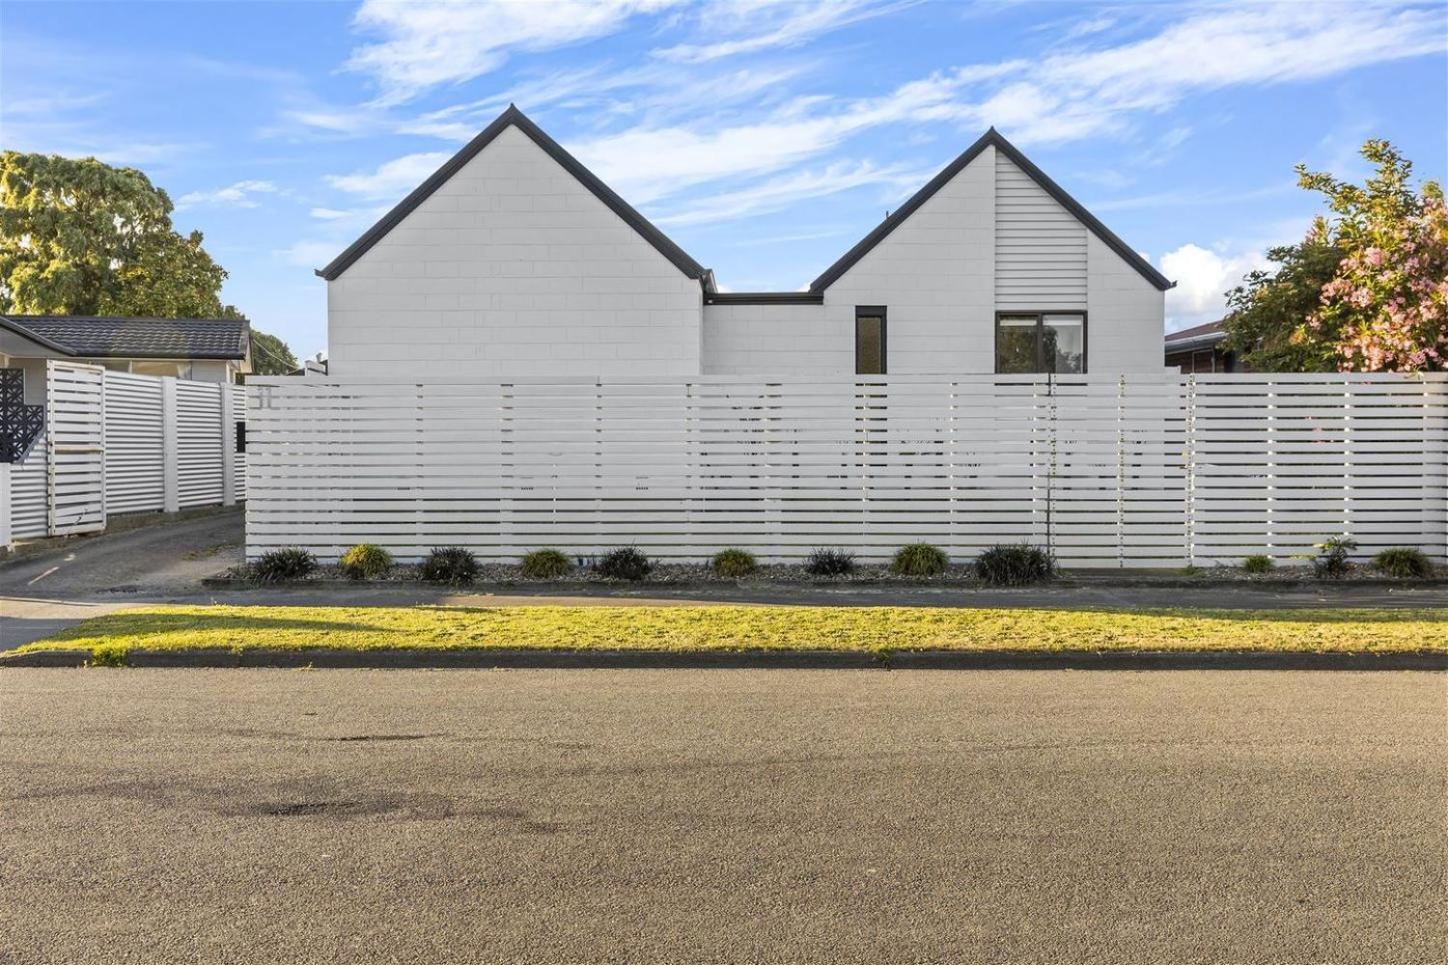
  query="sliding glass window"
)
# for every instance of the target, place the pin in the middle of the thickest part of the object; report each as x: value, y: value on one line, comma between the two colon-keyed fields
x: 1040, y: 342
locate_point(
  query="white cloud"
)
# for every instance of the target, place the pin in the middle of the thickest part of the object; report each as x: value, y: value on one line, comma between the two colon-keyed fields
x: 242, y: 194
x: 392, y: 179
x: 310, y: 254
x: 1203, y: 276
x: 778, y: 193
x: 788, y: 23
x: 426, y: 42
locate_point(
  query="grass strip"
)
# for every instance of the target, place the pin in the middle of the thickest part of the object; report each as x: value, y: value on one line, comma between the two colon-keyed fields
x: 744, y: 628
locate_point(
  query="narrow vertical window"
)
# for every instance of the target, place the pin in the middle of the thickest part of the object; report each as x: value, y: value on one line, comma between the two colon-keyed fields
x: 870, y: 341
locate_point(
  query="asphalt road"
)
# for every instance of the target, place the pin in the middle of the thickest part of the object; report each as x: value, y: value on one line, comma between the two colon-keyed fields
x: 870, y: 816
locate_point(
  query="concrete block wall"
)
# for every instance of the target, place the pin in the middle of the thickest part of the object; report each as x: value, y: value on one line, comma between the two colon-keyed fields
x: 513, y: 268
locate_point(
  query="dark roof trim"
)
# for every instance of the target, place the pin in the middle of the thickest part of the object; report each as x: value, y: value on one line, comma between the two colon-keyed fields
x: 764, y: 298
x: 990, y: 138
x: 516, y: 118
x: 1197, y: 331
x: 35, y: 337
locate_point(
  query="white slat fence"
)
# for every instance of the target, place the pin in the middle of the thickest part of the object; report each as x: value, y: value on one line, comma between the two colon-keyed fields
x: 1140, y: 471
x: 119, y: 443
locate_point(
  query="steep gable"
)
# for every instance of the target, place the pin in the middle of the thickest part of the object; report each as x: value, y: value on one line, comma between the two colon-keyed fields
x: 1019, y: 198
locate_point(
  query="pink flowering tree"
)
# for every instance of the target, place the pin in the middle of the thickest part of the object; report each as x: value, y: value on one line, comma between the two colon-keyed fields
x: 1386, y: 306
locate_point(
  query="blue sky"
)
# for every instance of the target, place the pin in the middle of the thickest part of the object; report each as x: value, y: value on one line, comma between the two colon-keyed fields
x: 765, y: 137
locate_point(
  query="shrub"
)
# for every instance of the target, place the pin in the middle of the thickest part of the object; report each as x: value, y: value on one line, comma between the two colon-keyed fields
x: 291, y: 563
x: 365, y: 561
x: 734, y: 563
x: 1015, y: 565
x: 1403, y: 562
x: 625, y: 563
x: 449, y: 564
x: 1257, y: 564
x: 919, y: 559
x: 1332, y: 557
x: 825, y: 562
x: 545, y: 565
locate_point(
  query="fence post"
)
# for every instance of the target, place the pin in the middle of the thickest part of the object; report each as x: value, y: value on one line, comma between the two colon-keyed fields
x: 7, y: 508
x: 170, y: 482
x: 228, y: 444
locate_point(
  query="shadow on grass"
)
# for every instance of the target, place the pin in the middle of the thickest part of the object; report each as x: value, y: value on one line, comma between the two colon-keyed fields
x: 162, y: 624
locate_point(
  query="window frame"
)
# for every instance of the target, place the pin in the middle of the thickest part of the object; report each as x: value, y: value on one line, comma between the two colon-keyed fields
x: 873, y: 311
x: 1040, y: 315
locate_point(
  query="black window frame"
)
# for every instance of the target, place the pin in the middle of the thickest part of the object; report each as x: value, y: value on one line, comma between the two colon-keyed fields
x: 873, y: 311
x: 1040, y: 315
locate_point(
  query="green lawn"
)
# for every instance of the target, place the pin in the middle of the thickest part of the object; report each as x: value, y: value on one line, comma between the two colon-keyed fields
x: 705, y: 628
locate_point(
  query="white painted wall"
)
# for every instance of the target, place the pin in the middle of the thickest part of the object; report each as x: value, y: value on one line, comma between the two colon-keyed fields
x: 513, y: 268
x: 991, y: 239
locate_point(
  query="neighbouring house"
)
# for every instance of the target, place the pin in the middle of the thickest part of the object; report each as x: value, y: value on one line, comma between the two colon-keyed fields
x: 198, y: 349
x: 1199, y: 349
x: 514, y: 260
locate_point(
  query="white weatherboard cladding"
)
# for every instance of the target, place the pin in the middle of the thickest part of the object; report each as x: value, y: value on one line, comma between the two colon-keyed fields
x: 1124, y: 317
x: 1040, y: 247
x: 1142, y: 470
x: 513, y: 268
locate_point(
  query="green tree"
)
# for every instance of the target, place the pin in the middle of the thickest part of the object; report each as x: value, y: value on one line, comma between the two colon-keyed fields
x: 270, y: 355
x: 1367, y: 289
x: 79, y: 237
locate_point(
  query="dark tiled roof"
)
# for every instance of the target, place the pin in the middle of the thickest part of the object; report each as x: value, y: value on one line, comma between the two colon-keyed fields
x: 139, y: 338
x: 1198, y: 332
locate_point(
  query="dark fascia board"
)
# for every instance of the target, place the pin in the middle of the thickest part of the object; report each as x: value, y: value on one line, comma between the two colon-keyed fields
x: 516, y: 118
x: 764, y: 298
x: 38, y: 339
x: 990, y: 138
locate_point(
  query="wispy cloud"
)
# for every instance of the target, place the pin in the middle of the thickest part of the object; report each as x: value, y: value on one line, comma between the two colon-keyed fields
x: 426, y: 43
x: 776, y: 194
x: 242, y: 194
x: 392, y: 179
x: 767, y: 24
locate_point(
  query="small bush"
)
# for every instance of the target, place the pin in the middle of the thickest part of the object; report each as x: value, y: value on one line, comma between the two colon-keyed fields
x: 1332, y: 557
x: 545, y: 565
x: 919, y: 559
x: 1015, y: 565
x: 733, y: 563
x: 291, y: 563
x: 1404, y: 563
x: 825, y: 562
x: 449, y: 564
x: 365, y: 561
x: 626, y: 563
x: 1257, y: 564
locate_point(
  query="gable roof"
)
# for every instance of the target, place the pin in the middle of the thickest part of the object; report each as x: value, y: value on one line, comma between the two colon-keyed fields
x: 991, y: 138
x: 512, y: 117
x: 1197, y: 336
x: 95, y: 336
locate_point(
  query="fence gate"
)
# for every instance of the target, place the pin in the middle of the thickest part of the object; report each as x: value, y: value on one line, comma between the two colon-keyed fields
x: 75, y: 445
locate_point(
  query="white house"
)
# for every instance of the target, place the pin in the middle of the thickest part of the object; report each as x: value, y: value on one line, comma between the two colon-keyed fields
x: 513, y: 260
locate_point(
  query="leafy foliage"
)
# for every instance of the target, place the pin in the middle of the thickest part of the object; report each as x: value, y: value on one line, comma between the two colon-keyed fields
x: 827, y: 562
x: 734, y: 563
x: 270, y: 355
x: 545, y: 565
x: 365, y: 561
x: 291, y: 563
x: 625, y: 563
x: 449, y: 564
x: 1404, y: 563
x: 1332, y: 557
x: 919, y: 559
x: 1367, y: 290
x: 1015, y: 565
x: 1257, y: 564
x: 81, y: 237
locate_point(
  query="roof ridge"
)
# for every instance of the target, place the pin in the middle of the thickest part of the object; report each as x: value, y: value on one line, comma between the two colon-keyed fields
x: 991, y: 138
x: 513, y: 117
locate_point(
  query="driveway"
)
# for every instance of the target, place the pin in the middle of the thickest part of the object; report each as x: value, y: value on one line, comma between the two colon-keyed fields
x: 844, y: 816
